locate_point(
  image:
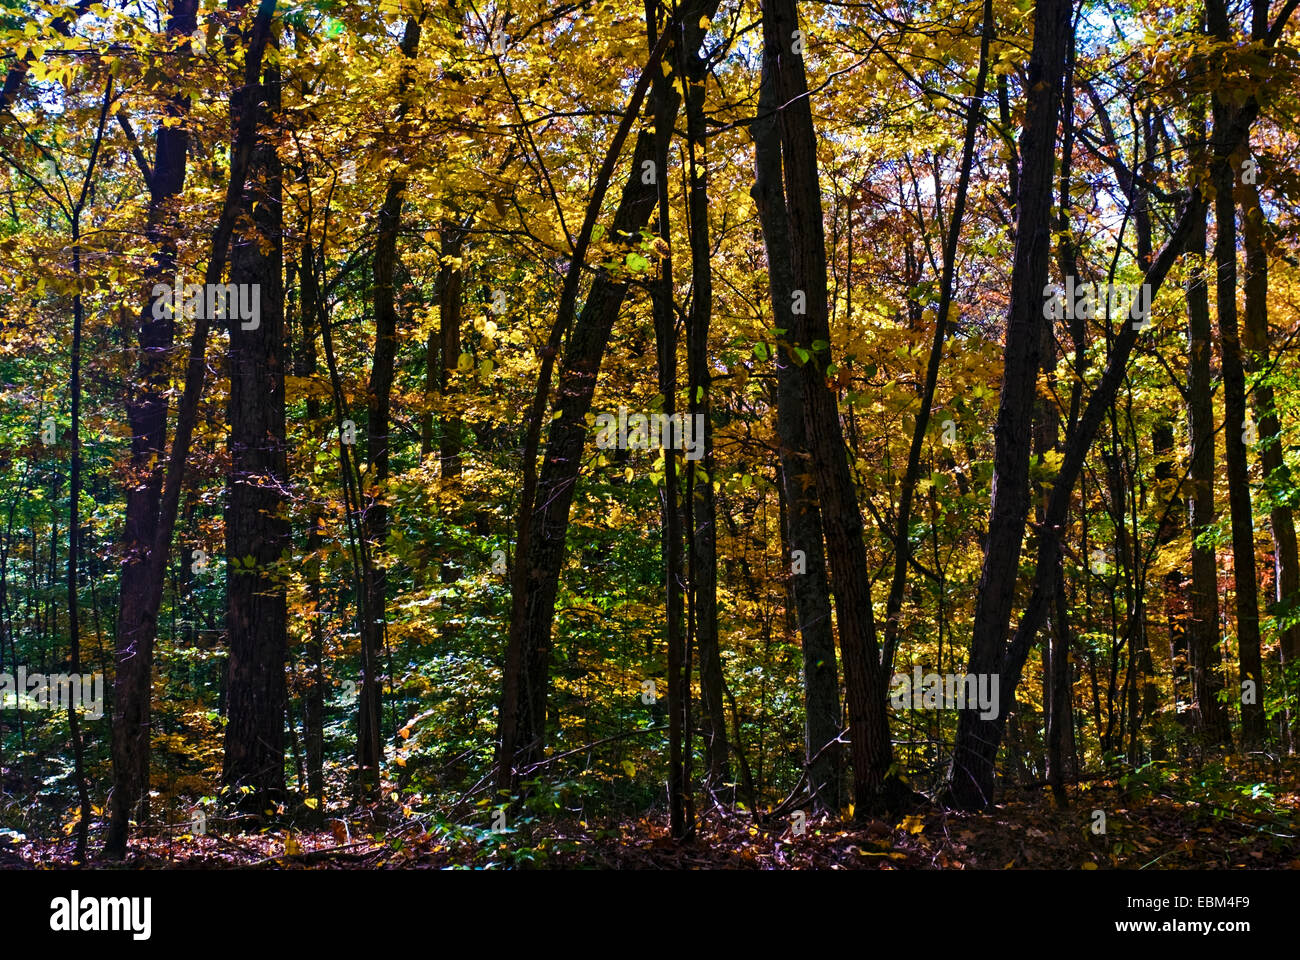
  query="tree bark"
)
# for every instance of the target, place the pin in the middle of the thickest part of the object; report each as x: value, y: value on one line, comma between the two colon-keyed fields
x: 146, y: 413
x: 1209, y: 713
x: 1277, y: 476
x: 1246, y: 588
x: 370, y: 750
x: 547, y: 498
x: 313, y: 696
x: 704, y: 554
x: 258, y: 538
x: 976, y: 746
x: 865, y: 685
x: 811, y: 590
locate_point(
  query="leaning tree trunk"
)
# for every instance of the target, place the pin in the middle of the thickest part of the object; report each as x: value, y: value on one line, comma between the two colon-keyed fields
x: 805, y: 316
x: 972, y: 770
x: 546, y: 501
x: 146, y: 413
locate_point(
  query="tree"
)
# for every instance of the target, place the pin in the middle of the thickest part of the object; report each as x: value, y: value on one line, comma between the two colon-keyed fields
x: 976, y: 746
x: 257, y: 524
x: 809, y: 335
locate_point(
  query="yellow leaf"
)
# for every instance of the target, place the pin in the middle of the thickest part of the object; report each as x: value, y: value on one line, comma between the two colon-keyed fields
x: 665, y: 67
x: 913, y: 824
x: 291, y: 846
x: 1089, y: 866
x: 629, y: 768
x: 704, y: 23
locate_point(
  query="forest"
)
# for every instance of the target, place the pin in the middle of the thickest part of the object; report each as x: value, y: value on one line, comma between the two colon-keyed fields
x: 650, y: 434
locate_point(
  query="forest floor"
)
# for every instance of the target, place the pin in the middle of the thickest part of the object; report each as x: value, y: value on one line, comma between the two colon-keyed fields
x: 1148, y: 827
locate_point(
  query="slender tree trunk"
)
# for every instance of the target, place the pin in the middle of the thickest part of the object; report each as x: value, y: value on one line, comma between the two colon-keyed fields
x: 137, y: 644
x: 450, y: 298
x: 661, y: 291
x: 370, y: 750
x: 865, y: 685
x: 313, y: 696
x: 977, y: 738
x: 807, y: 558
x: 1210, y: 715
x: 902, y: 526
x: 547, y: 498
x: 146, y: 412
x: 704, y: 555
x: 1246, y: 588
x: 1277, y: 476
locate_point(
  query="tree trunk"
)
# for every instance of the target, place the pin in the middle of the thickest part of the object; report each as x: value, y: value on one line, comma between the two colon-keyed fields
x: 257, y: 526
x: 902, y: 526
x: 1234, y: 408
x: 370, y: 749
x: 807, y: 557
x: 1210, y: 715
x: 146, y: 412
x: 972, y: 771
x: 545, y: 501
x: 704, y: 554
x: 313, y: 696
x: 1277, y: 476
x: 661, y: 292
x: 865, y: 685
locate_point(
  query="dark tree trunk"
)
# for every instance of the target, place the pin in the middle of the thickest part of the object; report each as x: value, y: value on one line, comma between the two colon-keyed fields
x: 313, y: 695
x: 257, y: 526
x: 902, y: 525
x: 977, y: 739
x: 808, y: 570
x: 370, y: 749
x: 1277, y: 476
x: 1210, y: 715
x: 146, y: 412
x: 681, y: 824
x: 865, y: 685
x: 1246, y: 589
x: 450, y: 299
x: 545, y: 501
x: 704, y: 555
